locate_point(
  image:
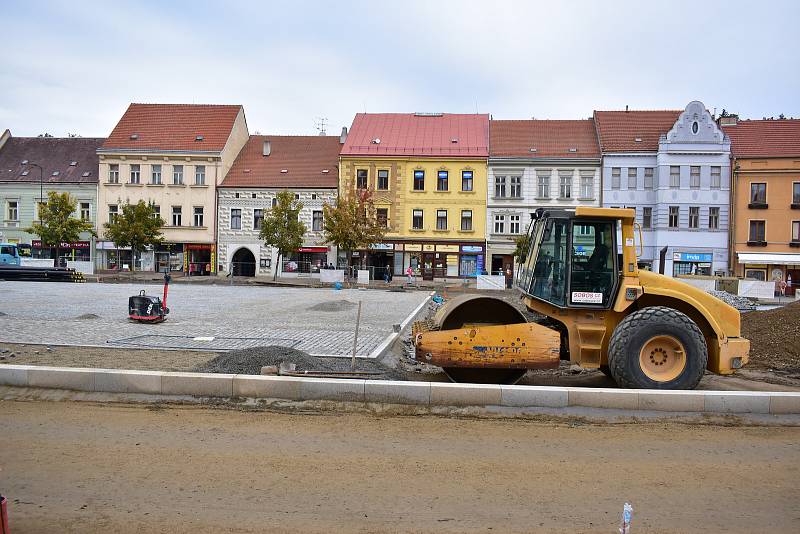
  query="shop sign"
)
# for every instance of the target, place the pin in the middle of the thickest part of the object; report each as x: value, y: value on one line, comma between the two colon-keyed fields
x: 428, y: 248
x: 692, y: 256
x: 446, y: 248
x: 471, y: 248
x: 381, y: 246
x: 313, y: 249
x: 398, y: 246
x: 413, y: 248
x: 198, y: 246
x: 587, y: 297
x: 37, y: 243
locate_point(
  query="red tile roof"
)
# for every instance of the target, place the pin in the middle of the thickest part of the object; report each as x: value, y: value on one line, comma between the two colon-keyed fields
x: 418, y: 134
x: 618, y: 130
x: 543, y: 139
x: 765, y: 138
x: 173, y: 127
x: 54, y: 155
x: 304, y: 158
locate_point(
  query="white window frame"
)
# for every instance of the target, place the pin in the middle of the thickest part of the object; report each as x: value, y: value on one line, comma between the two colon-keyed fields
x: 319, y: 227
x: 113, y: 173
x: 88, y: 210
x: 616, y: 177
x: 417, y: 212
x: 155, y: 174
x: 677, y: 217
x: 634, y: 175
x: 499, y: 187
x: 674, y: 177
x: 440, y: 218
x: 499, y: 224
x: 15, y: 218
x: 587, y: 187
x: 135, y: 174
x: 195, y: 214
x: 232, y: 227
x: 647, y: 217
x: 177, y: 216
x: 713, y: 216
x: 177, y: 175
x: 649, y: 177
x: 515, y: 186
x: 694, y: 177
x: 716, y: 177
x: 514, y: 224
x: 199, y: 175
x: 565, y: 186
x: 466, y: 216
x: 543, y: 185
x: 113, y: 212
x: 694, y: 217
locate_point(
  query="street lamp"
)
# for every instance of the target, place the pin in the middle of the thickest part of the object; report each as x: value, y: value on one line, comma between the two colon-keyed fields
x: 41, y: 179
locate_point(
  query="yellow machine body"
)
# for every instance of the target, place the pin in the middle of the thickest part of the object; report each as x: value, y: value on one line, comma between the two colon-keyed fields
x: 481, y: 332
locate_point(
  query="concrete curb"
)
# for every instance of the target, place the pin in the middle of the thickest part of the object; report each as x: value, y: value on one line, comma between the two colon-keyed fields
x: 428, y: 394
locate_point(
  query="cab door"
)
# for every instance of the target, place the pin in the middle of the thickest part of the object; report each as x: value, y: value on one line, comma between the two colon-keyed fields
x: 593, y: 273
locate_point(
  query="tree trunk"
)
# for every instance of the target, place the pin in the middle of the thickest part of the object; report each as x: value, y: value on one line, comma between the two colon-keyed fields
x: 58, y: 253
x: 277, y: 266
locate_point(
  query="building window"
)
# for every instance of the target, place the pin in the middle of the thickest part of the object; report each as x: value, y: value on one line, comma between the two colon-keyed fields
x: 236, y: 219
x: 419, y: 180
x: 177, y: 174
x: 441, y: 182
x: 156, y: 211
x: 416, y: 220
x: 796, y: 193
x: 135, y: 175
x: 513, y: 224
x: 694, y: 177
x: 85, y: 211
x: 499, y: 186
x: 13, y: 210
x: 516, y: 186
x: 113, y: 173
x: 274, y: 201
x: 499, y: 224
x: 258, y: 218
x: 647, y: 217
x: 587, y: 187
x: 694, y: 217
x: 565, y: 186
x: 713, y: 218
x: 648, y: 177
x: 381, y: 215
x: 543, y: 186
x: 758, y: 231
x: 441, y: 219
x: 674, y: 176
x: 198, y: 216
x: 674, y: 213
x: 316, y: 220
x: 361, y: 179
x: 155, y: 175
x: 616, y: 174
x: 200, y: 175
x: 716, y: 177
x: 758, y: 193
x: 383, y: 180
x: 466, y: 180
x: 113, y: 211
x: 795, y: 230
x: 176, y: 215
x: 632, y: 173
x: 466, y: 220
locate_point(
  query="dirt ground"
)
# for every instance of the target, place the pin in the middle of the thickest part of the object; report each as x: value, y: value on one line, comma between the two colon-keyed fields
x: 82, y: 467
x: 774, y: 339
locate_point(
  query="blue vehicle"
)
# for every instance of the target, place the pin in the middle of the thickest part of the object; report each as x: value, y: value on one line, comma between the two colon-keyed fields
x: 9, y: 254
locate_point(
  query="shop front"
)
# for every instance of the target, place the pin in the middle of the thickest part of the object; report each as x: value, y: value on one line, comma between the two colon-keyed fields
x: 692, y: 263
x: 199, y: 259
x: 781, y: 268
x: 438, y: 260
x: 306, y: 260
x: 74, y: 251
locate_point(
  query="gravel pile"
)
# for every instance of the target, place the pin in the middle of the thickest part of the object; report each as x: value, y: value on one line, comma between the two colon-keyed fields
x: 774, y: 337
x: 740, y: 303
x: 333, y: 306
x: 250, y: 361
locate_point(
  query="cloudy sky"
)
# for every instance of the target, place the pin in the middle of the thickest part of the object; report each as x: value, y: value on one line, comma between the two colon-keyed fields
x: 73, y: 67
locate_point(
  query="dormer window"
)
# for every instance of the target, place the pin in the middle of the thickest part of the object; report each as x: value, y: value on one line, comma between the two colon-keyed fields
x: 134, y: 137
x: 199, y: 138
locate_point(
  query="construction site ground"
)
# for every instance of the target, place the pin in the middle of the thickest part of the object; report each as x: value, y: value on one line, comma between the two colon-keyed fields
x: 84, y: 467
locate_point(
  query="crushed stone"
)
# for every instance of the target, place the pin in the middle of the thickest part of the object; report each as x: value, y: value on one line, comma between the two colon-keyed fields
x: 88, y: 316
x: 333, y: 306
x: 740, y: 303
x: 774, y: 338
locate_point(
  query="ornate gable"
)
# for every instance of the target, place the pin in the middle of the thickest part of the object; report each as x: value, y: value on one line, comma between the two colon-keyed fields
x: 695, y: 125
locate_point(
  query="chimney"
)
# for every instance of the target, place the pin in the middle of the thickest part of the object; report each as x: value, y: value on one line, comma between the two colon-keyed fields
x: 343, y: 136
x: 626, y: 108
x: 267, y: 148
x: 730, y: 120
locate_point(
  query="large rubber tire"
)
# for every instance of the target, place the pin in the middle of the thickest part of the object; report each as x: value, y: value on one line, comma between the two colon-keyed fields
x: 643, y: 326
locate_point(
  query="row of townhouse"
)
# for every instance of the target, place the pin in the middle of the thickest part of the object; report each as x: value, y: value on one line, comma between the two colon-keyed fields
x: 453, y: 190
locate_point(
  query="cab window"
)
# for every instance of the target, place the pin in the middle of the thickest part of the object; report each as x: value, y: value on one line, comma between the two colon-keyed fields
x: 593, y: 274
x: 549, y: 269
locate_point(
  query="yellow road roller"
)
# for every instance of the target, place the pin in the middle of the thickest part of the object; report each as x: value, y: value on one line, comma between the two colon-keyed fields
x: 592, y: 306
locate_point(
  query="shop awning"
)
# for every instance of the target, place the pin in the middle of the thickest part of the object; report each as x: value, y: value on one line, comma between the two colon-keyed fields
x: 312, y: 249
x: 768, y: 258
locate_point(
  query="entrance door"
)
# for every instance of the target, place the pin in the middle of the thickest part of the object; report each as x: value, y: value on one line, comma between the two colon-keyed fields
x: 792, y: 279
x: 440, y: 265
x: 427, y: 266
x: 243, y: 263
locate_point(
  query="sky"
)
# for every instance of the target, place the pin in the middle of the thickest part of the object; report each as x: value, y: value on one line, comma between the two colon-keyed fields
x: 73, y: 67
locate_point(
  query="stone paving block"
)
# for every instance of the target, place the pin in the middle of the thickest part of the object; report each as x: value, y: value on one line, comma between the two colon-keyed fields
x: 609, y: 398
x: 198, y: 384
x: 465, y: 394
x: 784, y: 403
x: 534, y: 396
x: 267, y: 387
x: 61, y: 378
x: 344, y: 389
x: 122, y: 381
x: 398, y: 392
x: 737, y: 402
x: 672, y: 401
x: 14, y: 375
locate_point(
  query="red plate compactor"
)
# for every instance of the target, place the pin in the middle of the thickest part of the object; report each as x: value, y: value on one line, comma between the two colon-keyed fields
x: 148, y: 309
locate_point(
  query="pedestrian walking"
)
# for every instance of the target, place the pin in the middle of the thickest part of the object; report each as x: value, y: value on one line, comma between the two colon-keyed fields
x: 410, y: 274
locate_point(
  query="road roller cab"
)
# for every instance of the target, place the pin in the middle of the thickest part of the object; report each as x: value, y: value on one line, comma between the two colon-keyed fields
x: 579, y: 273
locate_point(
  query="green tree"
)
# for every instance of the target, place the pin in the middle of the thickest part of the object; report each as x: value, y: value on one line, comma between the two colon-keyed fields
x: 135, y: 226
x: 281, y: 227
x: 351, y: 224
x: 56, y: 223
x: 523, y: 244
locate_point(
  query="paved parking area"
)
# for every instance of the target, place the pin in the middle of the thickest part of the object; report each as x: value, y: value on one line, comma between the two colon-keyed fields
x: 318, y: 321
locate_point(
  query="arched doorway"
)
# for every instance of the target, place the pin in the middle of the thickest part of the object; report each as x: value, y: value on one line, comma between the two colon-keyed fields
x: 244, y: 263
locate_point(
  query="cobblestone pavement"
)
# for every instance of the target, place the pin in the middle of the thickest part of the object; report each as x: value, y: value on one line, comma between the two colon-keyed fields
x: 202, y: 317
